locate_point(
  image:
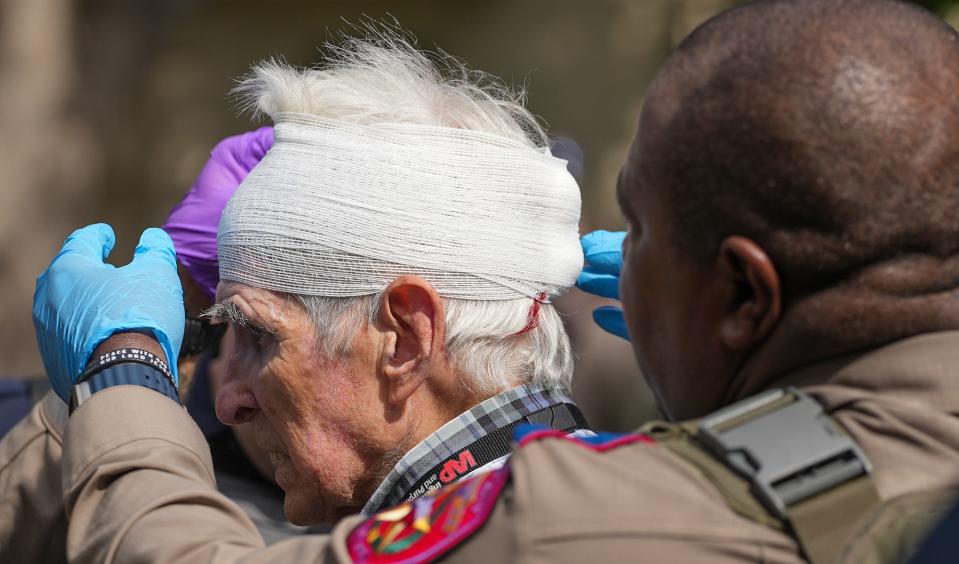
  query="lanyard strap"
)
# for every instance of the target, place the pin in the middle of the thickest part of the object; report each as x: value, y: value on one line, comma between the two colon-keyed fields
x: 564, y: 417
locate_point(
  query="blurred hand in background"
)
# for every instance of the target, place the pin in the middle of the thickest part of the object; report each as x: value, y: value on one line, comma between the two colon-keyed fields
x: 193, y: 222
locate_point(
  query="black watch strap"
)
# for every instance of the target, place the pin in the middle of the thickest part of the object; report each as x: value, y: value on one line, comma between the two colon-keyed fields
x: 124, y: 356
x: 129, y: 373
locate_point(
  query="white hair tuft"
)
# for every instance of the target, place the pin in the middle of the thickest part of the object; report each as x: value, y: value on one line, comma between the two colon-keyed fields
x: 384, y: 78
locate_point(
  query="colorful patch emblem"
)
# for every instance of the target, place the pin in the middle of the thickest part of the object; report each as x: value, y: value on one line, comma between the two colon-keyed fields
x: 427, y: 527
x: 600, y: 442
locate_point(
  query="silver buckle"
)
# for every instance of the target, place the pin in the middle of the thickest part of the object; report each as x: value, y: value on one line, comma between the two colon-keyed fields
x: 789, y: 453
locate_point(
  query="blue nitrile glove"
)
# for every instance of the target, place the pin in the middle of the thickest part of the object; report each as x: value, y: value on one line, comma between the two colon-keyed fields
x: 80, y: 301
x: 603, y: 251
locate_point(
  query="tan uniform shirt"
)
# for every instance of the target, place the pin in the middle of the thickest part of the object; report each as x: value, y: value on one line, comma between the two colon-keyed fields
x: 139, y: 486
x: 33, y: 525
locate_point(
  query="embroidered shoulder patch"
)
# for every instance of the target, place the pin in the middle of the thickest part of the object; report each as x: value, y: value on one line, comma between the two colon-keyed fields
x: 427, y: 527
x: 600, y: 442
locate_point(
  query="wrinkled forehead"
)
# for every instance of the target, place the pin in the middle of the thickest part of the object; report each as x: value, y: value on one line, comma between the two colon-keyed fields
x: 251, y: 301
x: 228, y: 289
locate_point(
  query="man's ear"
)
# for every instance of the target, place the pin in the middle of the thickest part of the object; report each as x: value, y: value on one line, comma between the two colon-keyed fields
x: 412, y: 312
x: 755, y: 304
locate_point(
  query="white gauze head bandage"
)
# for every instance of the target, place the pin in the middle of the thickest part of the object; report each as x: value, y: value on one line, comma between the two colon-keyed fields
x: 339, y: 209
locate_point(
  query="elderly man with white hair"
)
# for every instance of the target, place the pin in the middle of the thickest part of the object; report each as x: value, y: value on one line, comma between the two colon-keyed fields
x: 388, y: 268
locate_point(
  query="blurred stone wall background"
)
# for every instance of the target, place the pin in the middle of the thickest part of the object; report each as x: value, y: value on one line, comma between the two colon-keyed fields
x: 109, y: 108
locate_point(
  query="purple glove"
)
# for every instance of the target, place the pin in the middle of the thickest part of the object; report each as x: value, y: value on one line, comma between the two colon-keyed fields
x: 193, y: 222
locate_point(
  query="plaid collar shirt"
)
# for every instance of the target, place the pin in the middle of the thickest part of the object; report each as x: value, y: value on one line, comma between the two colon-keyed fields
x: 500, y: 411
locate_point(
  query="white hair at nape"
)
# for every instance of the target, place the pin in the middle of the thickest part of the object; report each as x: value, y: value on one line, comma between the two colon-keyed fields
x: 383, y: 78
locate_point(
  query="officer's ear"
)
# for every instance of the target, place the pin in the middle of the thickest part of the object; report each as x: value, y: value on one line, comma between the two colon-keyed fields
x: 412, y: 314
x: 754, y: 302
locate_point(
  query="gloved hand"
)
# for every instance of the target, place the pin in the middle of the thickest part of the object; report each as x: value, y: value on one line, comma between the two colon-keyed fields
x: 80, y: 301
x: 193, y: 222
x: 603, y: 251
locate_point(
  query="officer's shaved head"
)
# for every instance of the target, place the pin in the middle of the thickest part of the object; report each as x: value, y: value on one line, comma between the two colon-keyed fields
x: 827, y: 132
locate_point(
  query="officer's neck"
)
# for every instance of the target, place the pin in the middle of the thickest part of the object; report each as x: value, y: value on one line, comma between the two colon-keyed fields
x: 836, y: 323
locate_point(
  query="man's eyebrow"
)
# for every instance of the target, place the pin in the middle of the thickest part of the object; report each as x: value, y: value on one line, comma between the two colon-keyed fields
x: 228, y: 312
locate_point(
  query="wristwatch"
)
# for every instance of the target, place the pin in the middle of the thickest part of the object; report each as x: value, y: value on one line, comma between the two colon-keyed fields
x: 125, y: 373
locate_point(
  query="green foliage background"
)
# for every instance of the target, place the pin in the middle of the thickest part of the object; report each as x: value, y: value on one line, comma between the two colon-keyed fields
x: 939, y: 6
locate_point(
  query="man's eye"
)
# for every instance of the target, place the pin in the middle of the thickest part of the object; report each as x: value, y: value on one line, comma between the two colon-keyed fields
x: 261, y: 337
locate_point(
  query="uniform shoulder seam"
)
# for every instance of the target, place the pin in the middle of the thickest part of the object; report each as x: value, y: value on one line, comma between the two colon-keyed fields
x: 601, y: 442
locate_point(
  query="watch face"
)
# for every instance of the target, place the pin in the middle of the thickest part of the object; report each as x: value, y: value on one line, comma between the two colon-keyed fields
x: 79, y: 394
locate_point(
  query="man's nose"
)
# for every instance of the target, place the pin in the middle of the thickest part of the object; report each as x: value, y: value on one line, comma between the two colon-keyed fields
x: 235, y: 403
